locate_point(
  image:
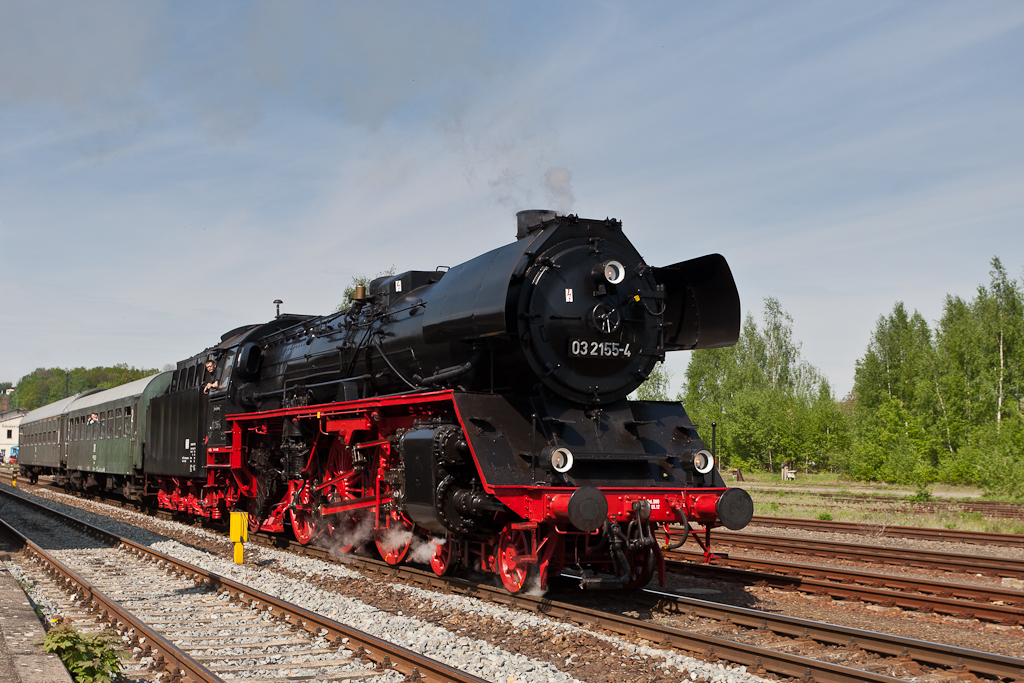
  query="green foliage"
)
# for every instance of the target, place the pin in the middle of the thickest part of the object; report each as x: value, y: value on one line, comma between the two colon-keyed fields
x: 825, y: 516
x: 656, y: 386
x: 4, y: 386
x: 922, y: 495
x: 348, y: 296
x: 47, y: 385
x: 944, y: 404
x: 89, y: 658
x: 770, y: 406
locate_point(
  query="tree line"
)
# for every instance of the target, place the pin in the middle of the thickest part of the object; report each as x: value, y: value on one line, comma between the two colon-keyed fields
x: 46, y: 385
x: 930, y: 402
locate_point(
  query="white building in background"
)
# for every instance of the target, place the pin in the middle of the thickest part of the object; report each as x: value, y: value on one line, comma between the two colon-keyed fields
x: 9, y: 423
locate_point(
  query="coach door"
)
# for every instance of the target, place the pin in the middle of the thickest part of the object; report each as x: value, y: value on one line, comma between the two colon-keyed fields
x: 63, y: 441
x: 132, y: 430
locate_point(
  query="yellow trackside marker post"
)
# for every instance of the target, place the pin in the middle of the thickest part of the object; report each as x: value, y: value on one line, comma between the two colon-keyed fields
x: 14, y: 478
x: 239, y: 532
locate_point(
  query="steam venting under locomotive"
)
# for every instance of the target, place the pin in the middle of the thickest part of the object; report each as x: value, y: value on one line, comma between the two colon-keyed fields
x: 482, y: 409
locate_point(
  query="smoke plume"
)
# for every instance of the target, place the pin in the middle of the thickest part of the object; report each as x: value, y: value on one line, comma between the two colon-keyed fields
x: 558, y: 183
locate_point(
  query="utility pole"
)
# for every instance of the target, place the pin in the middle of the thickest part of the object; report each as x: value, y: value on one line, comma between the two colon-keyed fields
x: 67, y: 383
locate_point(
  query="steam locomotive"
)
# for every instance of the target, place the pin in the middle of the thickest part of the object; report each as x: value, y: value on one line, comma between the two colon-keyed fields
x: 477, y: 414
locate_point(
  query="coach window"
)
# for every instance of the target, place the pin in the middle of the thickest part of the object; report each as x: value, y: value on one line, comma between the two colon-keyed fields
x: 110, y: 423
x: 128, y: 421
x: 118, y: 423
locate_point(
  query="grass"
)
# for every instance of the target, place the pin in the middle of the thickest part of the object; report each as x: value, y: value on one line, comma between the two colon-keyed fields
x: 876, y: 512
x: 875, y: 505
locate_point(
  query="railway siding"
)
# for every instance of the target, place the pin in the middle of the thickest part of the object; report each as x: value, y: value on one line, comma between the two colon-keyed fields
x: 986, y: 565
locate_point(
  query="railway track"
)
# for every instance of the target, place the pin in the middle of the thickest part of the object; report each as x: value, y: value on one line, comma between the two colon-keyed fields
x: 827, y: 637
x: 994, y: 604
x: 913, y: 532
x: 986, y: 565
x: 195, y: 625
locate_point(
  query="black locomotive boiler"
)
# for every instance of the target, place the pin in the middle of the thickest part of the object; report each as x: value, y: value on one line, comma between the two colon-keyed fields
x: 482, y: 410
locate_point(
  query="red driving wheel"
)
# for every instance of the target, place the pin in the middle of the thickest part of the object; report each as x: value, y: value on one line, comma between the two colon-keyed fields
x: 393, y: 537
x: 303, y: 525
x: 515, y: 572
x: 443, y: 559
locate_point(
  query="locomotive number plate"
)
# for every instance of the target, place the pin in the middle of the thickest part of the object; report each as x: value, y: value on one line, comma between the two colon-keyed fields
x: 581, y: 348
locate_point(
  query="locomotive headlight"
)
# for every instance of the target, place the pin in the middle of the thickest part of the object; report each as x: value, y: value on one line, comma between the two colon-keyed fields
x: 561, y: 460
x: 610, y: 272
x: 614, y: 272
x: 703, y: 462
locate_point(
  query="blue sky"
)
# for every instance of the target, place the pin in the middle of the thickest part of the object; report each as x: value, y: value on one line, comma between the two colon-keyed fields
x: 167, y: 170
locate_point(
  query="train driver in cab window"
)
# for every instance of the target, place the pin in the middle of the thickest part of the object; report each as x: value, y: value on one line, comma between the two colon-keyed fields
x: 212, y: 379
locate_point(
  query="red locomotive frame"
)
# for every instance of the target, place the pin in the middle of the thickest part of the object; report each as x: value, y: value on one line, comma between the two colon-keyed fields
x: 337, y: 493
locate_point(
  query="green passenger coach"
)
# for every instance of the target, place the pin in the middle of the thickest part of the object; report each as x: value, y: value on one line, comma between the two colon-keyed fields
x: 41, y: 434
x: 94, y: 440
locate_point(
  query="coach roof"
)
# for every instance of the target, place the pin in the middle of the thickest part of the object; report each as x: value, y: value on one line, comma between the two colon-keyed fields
x: 128, y: 390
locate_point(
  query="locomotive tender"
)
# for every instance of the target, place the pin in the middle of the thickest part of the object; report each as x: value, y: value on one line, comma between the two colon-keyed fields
x: 481, y: 410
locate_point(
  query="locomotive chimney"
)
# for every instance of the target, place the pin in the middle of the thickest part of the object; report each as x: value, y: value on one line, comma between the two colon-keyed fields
x: 532, y: 219
x: 278, y: 302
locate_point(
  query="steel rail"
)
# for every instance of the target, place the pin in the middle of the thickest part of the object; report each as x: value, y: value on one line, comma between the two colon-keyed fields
x: 947, y: 589
x: 913, y: 532
x: 167, y: 656
x: 986, y: 565
x: 967, y: 602
x: 932, y: 654
x: 384, y: 653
